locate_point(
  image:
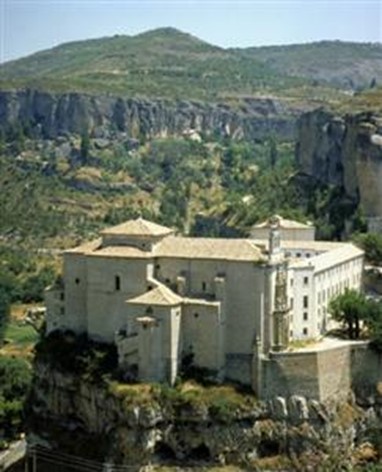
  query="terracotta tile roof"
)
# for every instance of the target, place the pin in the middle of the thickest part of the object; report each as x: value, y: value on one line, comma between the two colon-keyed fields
x: 128, y: 252
x: 284, y: 224
x: 138, y: 227
x: 160, y: 295
x: 209, y: 248
x: 172, y: 246
x: 85, y: 248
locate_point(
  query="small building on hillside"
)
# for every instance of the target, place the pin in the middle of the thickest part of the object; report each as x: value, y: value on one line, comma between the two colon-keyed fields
x: 223, y: 304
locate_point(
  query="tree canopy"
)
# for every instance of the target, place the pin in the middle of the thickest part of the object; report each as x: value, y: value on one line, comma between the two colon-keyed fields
x: 352, y: 307
x: 371, y: 243
x: 349, y: 308
x: 15, y: 379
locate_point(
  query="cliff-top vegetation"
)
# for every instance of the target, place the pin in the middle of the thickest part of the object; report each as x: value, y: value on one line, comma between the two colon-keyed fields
x: 172, y: 64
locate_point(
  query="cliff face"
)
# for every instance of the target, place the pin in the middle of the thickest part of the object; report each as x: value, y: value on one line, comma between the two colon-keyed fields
x: 129, y: 430
x: 51, y: 115
x: 344, y: 151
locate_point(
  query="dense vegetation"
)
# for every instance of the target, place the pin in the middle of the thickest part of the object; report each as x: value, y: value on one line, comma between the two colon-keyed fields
x: 371, y: 243
x: 23, y: 278
x: 325, y: 61
x: 78, y: 355
x: 15, y: 379
x: 172, y: 64
x: 161, y: 63
x: 359, y: 315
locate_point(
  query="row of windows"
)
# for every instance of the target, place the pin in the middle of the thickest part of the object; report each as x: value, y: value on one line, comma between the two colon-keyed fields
x: 343, y: 268
x: 324, y: 295
x: 305, y: 332
x: 305, y: 302
x: 307, y: 255
x: 305, y: 280
x: 117, y: 284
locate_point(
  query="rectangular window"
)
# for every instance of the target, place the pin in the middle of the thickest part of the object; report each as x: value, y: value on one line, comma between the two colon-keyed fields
x: 306, y: 280
x: 305, y: 316
x: 305, y: 301
x: 291, y: 282
x: 291, y: 303
x: 117, y: 282
x: 305, y: 331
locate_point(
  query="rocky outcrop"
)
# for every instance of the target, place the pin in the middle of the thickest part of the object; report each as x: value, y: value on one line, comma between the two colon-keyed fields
x: 344, y: 151
x: 129, y: 429
x: 51, y: 115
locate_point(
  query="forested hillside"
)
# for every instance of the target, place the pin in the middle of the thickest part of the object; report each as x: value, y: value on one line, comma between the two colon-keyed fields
x: 172, y: 64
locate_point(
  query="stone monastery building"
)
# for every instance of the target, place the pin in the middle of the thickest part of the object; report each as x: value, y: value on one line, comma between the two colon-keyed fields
x: 224, y: 303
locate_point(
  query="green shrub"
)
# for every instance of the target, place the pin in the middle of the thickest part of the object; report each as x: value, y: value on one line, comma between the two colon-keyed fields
x: 78, y: 355
x: 15, y: 380
x: 371, y: 243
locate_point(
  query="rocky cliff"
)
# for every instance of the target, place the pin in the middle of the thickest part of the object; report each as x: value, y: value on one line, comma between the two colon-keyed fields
x: 51, y: 115
x: 138, y: 425
x: 344, y: 151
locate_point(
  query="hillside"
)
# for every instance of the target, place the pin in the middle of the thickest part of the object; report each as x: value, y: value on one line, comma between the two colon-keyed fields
x: 171, y: 128
x: 168, y: 63
x: 340, y: 64
x: 223, y: 94
x: 160, y: 63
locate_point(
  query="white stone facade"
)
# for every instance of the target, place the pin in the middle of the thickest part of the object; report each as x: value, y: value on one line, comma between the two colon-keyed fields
x: 223, y: 303
x: 289, y: 230
x: 317, y: 272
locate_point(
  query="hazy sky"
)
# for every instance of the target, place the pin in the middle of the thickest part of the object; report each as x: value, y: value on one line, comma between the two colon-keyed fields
x: 27, y: 26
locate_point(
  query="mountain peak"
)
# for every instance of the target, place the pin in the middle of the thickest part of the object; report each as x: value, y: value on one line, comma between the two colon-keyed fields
x: 172, y: 36
x: 167, y: 32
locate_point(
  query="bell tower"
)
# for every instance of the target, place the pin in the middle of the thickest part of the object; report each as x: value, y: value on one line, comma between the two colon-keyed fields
x: 281, y: 310
x: 274, y: 247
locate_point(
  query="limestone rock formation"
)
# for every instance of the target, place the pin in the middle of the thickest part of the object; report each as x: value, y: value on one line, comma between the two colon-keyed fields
x: 128, y: 430
x: 344, y: 151
x: 51, y: 115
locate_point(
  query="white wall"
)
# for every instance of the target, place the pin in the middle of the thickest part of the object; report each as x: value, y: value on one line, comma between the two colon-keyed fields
x: 333, y: 281
x: 75, y: 283
x: 288, y: 234
x: 301, y: 290
x: 244, y: 285
x: 105, y: 303
x: 55, y: 309
x: 202, y: 335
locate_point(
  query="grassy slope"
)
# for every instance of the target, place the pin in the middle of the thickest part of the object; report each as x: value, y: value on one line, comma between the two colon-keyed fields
x: 163, y: 62
x: 340, y: 63
x: 169, y: 63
